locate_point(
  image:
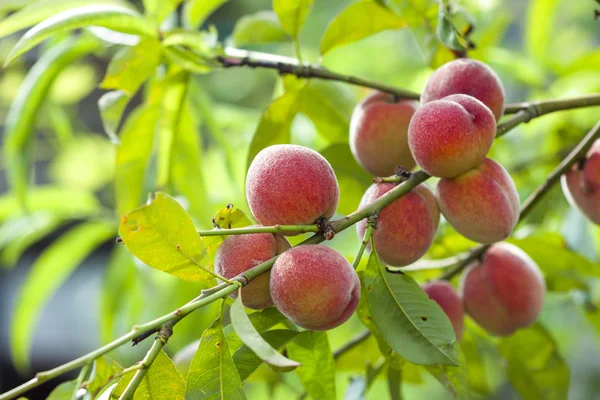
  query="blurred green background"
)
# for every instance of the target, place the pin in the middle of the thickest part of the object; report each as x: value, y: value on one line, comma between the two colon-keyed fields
x: 540, y: 49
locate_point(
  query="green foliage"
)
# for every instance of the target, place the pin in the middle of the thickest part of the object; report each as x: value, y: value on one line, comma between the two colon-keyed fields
x: 111, y: 106
x: 292, y: 14
x: 414, y: 326
x: 262, y: 27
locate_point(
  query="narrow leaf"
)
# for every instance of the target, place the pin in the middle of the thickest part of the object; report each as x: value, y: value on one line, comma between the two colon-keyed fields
x: 111, y: 106
x: 247, y: 361
x: 454, y: 379
x: 317, y: 371
x: 358, y: 21
x: 104, y: 368
x: 158, y: 10
x: 413, y: 325
x: 535, y: 367
x: 251, y: 338
x: 132, y: 66
x: 262, y: 27
x: 195, y: 12
x: 117, y: 18
x: 262, y: 322
x: 48, y: 272
x: 292, y: 14
x: 62, y: 391
x: 540, y: 15
x: 26, y: 105
x: 162, y: 381
x: 137, y: 139
x: 212, y: 374
x: 40, y: 10
x: 275, y: 123
x: 162, y: 235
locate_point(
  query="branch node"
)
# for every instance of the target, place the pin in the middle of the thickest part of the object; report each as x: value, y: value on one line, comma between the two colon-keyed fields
x: 325, y: 228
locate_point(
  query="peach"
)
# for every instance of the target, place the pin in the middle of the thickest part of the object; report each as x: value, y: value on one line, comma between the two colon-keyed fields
x: 581, y: 184
x: 315, y: 287
x: 466, y: 76
x: 450, y: 136
x: 482, y: 204
x: 289, y: 184
x: 239, y: 253
x: 379, y: 133
x: 504, y: 291
x: 406, y: 227
x: 450, y: 301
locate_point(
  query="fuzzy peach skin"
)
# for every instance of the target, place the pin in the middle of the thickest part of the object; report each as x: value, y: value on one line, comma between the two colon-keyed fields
x: 450, y: 136
x: 466, y: 76
x: 482, y: 204
x: 406, y: 227
x: 289, y: 184
x: 505, y: 291
x: 379, y: 133
x: 450, y: 301
x: 315, y: 287
x: 239, y: 253
x: 581, y: 185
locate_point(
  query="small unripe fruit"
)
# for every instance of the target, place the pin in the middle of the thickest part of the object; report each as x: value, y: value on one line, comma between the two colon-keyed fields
x: 239, y: 253
x: 581, y: 184
x: 505, y: 291
x: 289, y: 184
x: 450, y: 136
x: 406, y: 227
x: 450, y: 301
x: 482, y: 204
x: 315, y: 287
x: 379, y: 133
x: 466, y: 76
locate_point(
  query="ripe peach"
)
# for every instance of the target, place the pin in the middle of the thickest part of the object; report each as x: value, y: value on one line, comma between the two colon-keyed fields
x: 450, y: 301
x: 466, y: 76
x: 581, y: 184
x: 315, y: 287
x: 505, y: 291
x: 379, y: 133
x: 406, y: 227
x: 239, y: 253
x: 289, y: 184
x: 482, y: 204
x: 450, y: 136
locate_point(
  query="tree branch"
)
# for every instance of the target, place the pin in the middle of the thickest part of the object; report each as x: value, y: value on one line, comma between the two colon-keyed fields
x: 260, y: 229
x: 577, y: 154
x: 290, y: 66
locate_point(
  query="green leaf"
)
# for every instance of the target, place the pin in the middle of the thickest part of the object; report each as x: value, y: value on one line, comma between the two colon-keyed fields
x: 176, y: 84
x: 188, y: 60
x: 535, y: 367
x: 137, y: 139
x: 104, y: 368
x: 41, y: 10
x: 394, y: 383
x: 196, y: 11
x: 358, y: 21
x: 454, y: 379
x: 317, y: 371
x: 446, y: 31
x: 162, y: 381
x: 186, y: 165
x: 275, y: 123
x: 292, y: 14
x: 111, y: 106
x: 329, y: 106
x: 212, y: 374
x: 158, y: 10
x: 48, y: 272
x: 162, y: 235
x: 251, y: 338
x: 413, y: 324
x: 247, y: 361
x: 343, y: 162
x: 540, y: 15
x: 117, y: 18
x: 59, y: 201
x: 261, y: 27
x: 261, y: 320
x: 25, y: 107
x: 132, y: 66
x: 64, y: 391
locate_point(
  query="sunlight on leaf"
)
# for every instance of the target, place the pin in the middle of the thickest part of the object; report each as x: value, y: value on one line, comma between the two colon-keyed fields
x: 262, y: 27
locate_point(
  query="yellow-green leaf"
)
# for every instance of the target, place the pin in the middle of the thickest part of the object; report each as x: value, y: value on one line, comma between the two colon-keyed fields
x: 117, y: 18
x: 292, y: 14
x: 358, y: 21
x: 196, y: 11
x: 132, y: 66
x: 48, y: 272
x: 111, y: 106
x: 162, y: 235
x: 262, y: 27
x: 158, y: 10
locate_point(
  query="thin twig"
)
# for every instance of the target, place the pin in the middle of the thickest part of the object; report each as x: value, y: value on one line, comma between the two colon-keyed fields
x: 83, y: 374
x: 260, y: 229
x: 577, y: 154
